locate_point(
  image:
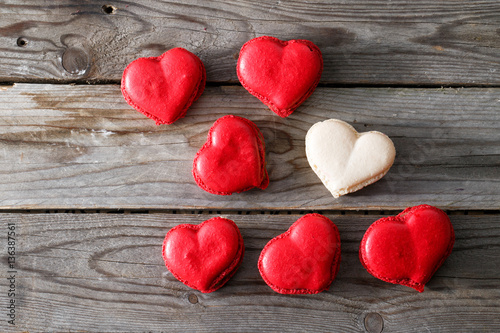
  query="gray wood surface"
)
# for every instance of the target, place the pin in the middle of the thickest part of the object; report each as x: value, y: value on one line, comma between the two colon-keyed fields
x: 66, y: 147
x: 104, y: 272
x: 363, y: 42
x: 81, y: 146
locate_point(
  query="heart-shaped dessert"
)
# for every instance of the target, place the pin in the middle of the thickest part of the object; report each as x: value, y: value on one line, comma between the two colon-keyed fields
x: 303, y: 260
x: 164, y: 87
x: 346, y: 160
x: 232, y: 159
x: 204, y: 256
x: 282, y: 74
x: 407, y: 249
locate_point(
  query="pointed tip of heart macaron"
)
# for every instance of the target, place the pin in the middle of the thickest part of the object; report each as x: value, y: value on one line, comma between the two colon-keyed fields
x: 419, y: 288
x: 410, y: 283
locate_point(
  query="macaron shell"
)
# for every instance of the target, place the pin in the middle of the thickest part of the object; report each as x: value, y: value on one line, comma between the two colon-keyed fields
x: 407, y: 249
x: 205, y: 256
x: 282, y: 74
x: 233, y: 158
x: 346, y: 160
x: 303, y: 260
x: 164, y: 87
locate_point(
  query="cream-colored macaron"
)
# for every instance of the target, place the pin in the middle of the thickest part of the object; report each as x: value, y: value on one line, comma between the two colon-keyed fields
x: 346, y: 160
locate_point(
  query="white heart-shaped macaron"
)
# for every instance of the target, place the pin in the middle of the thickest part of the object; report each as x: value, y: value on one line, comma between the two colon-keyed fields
x: 346, y: 160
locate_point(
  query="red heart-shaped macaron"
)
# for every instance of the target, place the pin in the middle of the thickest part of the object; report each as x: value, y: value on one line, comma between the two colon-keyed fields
x: 204, y: 256
x: 407, y: 249
x: 232, y: 159
x: 303, y: 260
x: 164, y: 87
x: 282, y: 74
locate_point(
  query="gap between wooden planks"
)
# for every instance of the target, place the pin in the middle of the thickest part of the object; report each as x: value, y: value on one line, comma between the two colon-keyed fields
x: 104, y: 272
x: 83, y: 147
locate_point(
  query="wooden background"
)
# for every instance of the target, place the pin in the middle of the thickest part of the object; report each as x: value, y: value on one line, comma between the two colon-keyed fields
x: 92, y: 186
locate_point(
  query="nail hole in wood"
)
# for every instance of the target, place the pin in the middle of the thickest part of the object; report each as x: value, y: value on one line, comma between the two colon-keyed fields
x: 108, y: 9
x: 193, y: 299
x: 22, y: 42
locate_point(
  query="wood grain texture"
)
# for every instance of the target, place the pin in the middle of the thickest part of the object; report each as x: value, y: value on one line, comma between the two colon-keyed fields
x: 81, y: 146
x: 363, y: 42
x: 104, y: 272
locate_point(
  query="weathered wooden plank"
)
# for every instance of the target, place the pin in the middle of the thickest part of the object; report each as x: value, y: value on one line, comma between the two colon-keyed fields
x: 84, y: 147
x: 367, y: 42
x: 104, y: 272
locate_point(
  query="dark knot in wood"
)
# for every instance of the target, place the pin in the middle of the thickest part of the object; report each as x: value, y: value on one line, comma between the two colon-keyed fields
x: 193, y: 299
x: 75, y: 61
x: 374, y: 323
